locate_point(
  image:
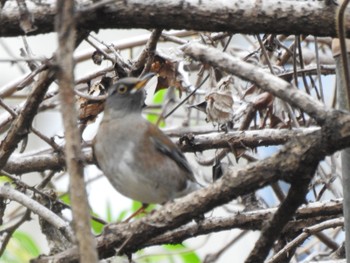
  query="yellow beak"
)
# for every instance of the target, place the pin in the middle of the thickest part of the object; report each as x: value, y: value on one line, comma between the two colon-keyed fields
x: 143, y: 81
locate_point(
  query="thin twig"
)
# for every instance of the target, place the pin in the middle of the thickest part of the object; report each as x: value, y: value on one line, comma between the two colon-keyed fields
x: 195, y: 90
x: 318, y: 67
x: 301, y: 62
x: 266, y: 56
x: 106, y: 55
x: 215, y: 256
x: 144, y: 60
x: 339, y: 222
x: 23, y: 121
x: 342, y: 41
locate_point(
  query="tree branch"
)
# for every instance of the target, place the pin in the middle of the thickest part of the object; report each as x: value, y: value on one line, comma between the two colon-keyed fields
x: 253, y: 220
x: 272, y: 228
x: 259, y: 77
x: 232, y: 139
x: 9, y: 193
x: 21, y: 125
x: 65, y: 25
x: 199, y: 141
x: 288, y: 165
x: 332, y: 223
x: 234, y: 16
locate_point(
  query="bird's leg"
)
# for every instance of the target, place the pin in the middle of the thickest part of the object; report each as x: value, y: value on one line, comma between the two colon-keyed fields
x: 137, y: 212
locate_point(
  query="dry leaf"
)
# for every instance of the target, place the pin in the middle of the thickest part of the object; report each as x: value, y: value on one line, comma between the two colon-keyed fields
x: 220, y: 102
x: 166, y: 71
x: 89, y: 109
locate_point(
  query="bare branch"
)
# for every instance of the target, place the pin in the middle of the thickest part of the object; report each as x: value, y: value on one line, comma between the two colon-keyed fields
x: 272, y: 228
x: 249, y: 139
x: 307, y: 232
x: 7, y: 192
x: 147, y: 54
x: 258, y: 76
x: 7, y: 233
x: 39, y: 161
x: 65, y: 25
x: 298, y: 157
x: 252, y: 220
x: 23, y: 122
x: 234, y: 16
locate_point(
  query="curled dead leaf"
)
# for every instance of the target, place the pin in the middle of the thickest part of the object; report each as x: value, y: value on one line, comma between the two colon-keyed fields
x: 89, y: 109
x: 166, y: 70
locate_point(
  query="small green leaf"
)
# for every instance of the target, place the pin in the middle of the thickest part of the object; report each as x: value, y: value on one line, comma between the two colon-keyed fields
x: 122, y: 215
x: 21, y: 248
x: 187, y: 257
x: 27, y: 243
x: 158, y: 98
x: 65, y: 199
x: 5, y: 179
x: 96, y: 226
x: 109, y: 214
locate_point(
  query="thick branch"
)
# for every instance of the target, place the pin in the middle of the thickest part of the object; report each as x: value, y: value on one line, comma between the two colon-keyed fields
x: 236, y: 16
x: 288, y: 164
x: 199, y: 141
x: 308, y: 215
x: 250, y: 139
x: 7, y: 192
x: 272, y: 229
x: 21, y: 125
x: 258, y: 76
x: 65, y: 25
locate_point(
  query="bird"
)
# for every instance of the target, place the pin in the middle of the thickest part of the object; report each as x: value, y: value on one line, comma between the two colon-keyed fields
x: 139, y: 160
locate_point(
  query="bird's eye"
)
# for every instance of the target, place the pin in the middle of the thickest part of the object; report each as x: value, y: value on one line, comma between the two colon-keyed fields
x: 122, y: 89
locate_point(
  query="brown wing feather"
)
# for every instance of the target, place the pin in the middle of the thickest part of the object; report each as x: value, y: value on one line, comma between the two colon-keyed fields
x: 167, y: 147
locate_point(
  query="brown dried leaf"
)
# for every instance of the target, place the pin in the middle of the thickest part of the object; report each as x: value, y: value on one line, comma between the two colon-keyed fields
x: 250, y: 91
x: 262, y: 101
x: 166, y: 71
x: 220, y: 102
x: 89, y: 109
x: 97, y: 57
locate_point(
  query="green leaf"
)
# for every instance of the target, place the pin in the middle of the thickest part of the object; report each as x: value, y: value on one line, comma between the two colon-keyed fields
x: 157, y: 258
x: 65, y: 199
x: 96, y: 226
x: 109, y: 214
x: 135, y: 205
x: 27, y: 243
x: 187, y: 257
x: 158, y: 98
x: 122, y: 215
x: 21, y: 248
x: 5, y: 179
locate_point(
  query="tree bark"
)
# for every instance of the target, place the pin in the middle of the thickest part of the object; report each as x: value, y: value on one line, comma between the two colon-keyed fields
x: 238, y: 16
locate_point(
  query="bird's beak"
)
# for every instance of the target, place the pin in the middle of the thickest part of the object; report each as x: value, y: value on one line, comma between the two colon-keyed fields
x: 143, y: 81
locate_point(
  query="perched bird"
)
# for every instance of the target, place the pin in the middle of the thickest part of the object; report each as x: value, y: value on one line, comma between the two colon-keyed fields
x: 139, y: 160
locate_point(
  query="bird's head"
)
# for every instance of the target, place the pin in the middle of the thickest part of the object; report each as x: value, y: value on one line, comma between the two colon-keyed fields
x: 127, y: 94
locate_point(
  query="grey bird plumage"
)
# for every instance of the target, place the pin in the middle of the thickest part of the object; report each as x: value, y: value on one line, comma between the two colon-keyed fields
x: 139, y: 160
